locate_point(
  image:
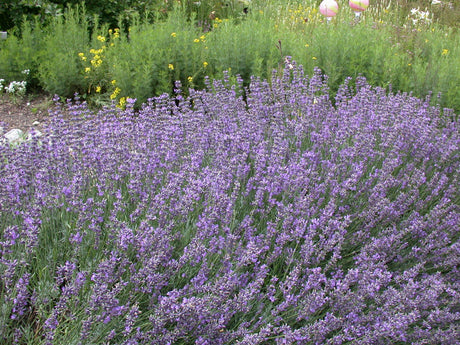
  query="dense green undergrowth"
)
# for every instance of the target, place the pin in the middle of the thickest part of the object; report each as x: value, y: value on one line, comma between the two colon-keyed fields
x: 76, y: 53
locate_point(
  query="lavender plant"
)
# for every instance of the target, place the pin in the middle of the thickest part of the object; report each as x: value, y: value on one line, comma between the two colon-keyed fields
x: 277, y: 219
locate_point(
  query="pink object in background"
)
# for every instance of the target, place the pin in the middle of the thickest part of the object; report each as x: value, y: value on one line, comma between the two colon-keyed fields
x: 358, y: 5
x: 329, y: 8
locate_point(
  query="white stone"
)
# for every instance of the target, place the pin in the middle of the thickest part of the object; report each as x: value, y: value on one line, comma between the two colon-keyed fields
x: 14, y: 135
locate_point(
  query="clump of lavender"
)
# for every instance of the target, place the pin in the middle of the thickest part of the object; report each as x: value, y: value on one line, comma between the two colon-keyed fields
x: 277, y: 219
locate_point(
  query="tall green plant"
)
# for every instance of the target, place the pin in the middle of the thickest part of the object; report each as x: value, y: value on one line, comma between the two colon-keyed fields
x: 20, y: 52
x: 60, y: 69
x: 148, y: 59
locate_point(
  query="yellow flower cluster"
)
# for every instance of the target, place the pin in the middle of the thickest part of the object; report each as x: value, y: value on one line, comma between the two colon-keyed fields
x: 217, y: 21
x: 95, y: 67
x: 300, y: 15
x: 445, y: 52
x: 122, y: 103
x: 171, y: 66
x: 115, y: 93
x: 202, y: 38
x: 96, y: 61
x: 114, y: 33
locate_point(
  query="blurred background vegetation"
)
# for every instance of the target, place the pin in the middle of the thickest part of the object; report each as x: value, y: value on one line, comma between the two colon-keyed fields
x: 107, y: 51
x: 12, y: 12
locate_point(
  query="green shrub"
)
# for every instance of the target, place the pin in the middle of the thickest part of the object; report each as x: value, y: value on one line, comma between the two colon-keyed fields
x: 22, y: 52
x: 151, y: 57
x: 60, y: 68
x: 184, y: 45
x: 248, y: 48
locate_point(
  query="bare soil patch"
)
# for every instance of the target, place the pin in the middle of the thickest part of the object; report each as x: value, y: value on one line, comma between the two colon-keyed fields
x: 32, y: 111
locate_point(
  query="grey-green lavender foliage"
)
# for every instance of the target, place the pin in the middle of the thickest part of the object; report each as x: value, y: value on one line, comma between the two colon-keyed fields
x: 273, y: 218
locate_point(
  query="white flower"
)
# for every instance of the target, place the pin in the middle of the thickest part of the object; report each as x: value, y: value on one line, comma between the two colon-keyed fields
x: 436, y: 2
x: 417, y: 15
x: 26, y: 71
x: 16, y: 87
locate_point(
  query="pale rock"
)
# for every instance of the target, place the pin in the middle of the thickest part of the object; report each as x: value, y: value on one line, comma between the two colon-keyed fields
x: 15, y: 135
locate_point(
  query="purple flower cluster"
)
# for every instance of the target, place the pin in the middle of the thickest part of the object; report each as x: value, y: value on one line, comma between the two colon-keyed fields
x: 269, y: 216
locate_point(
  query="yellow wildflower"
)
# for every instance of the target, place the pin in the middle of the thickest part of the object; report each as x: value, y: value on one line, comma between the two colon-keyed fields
x: 196, y: 40
x: 98, y: 89
x: 202, y: 37
x: 445, y: 51
x: 87, y: 69
x: 115, y: 93
x: 205, y: 64
x: 101, y: 38
x: 173, y: 34
x: 121, y: 103
x: 113, y: 82
x: 190, y: 79
x: 307, y: 45
x: 171, y: 66
x: 314, y: 57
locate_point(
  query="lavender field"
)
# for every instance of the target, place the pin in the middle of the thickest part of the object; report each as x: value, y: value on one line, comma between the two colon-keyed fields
x: 273, y: 215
